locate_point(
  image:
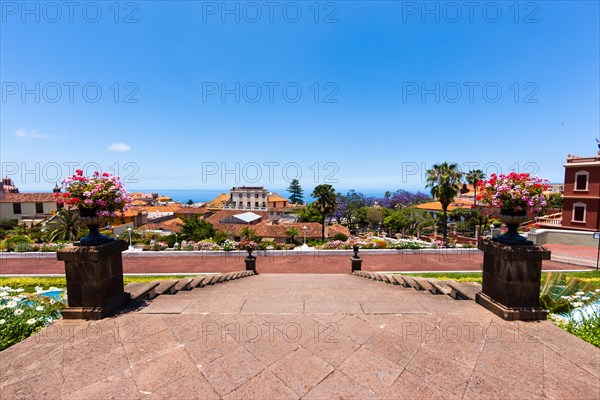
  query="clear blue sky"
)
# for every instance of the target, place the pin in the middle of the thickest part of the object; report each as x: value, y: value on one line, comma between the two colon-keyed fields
x: 373, y: 57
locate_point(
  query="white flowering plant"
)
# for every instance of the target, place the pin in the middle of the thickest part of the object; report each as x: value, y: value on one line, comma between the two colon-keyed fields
x: 22, y: 315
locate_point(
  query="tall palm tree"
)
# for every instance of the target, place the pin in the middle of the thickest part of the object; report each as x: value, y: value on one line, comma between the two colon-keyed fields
x: 444, y: 181
x: 247, y: 233
x: 325, y: 203
x: 63, y: 226
x: 473, y: 177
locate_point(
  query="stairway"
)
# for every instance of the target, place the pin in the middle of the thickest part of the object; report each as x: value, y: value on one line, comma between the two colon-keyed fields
x: 150, y: 290
x: 456, y: 290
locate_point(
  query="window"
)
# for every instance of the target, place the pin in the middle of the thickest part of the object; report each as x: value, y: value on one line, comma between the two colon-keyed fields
x: 16, y: 208
x: 581, y: 180
x: 579, y: 211
x: 257, y: 195
x: 241, y: 195
x: 256, y: 204
x: 39, y: 208
x: 248, y: 195
x: 248, y: 204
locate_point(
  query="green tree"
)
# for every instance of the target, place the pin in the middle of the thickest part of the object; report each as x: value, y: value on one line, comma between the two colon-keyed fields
x: 444, y: 181
x: 310, y: 214
x: 296, y: 192
x: 472, y: 178
x: 247, y: 233
x: 374, y: 216
x: 190, y: 202
x: 64, y: 226
x: 410, y: 218
x: 196, y: 229
x: 292, y: 233
x: 325, y: 203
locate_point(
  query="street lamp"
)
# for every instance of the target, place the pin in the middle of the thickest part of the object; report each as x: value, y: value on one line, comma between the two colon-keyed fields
x: 129, y: 232
x: 492, y: 230
x: 176, y: 245
x: 304, y: 229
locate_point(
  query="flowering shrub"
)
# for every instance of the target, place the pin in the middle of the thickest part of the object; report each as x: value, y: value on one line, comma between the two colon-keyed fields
x: 405, y: 245
x: 159, y: 246
x: 103, y: 192
x: 206, y: 246
x: 22, y: 315
x: 229, y: 245
x: 437, y: 244
x: 247, y: 245
x: 334, y: 245
x: 513, y: 192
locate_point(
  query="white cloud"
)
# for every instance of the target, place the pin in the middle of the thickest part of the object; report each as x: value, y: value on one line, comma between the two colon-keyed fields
x: 119, y: 147
x: 31, y: 134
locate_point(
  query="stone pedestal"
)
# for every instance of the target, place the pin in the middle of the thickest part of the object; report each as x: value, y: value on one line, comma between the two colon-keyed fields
x: 94, y: 280
x: 511, y: 280
x: 250, y: 263
x: 356, y: 263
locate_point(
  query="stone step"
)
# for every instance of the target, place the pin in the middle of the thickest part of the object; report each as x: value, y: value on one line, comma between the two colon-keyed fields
x: 464, y: 290
x: 410, y: 282
x: 386, y: 278
x: 184, y: 284
x: 441, y: 287
x: 392, y: 280
x: 424, y: 285
x: 197, y: 282
x: 222, y: 278
x: 141, y: 290
x: 399, y: 280
x: 166, y: 287
x: 380, y: 277
x: 213, y: 279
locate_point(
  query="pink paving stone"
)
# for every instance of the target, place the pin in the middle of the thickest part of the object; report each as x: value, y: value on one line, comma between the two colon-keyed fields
x: 212, y: 353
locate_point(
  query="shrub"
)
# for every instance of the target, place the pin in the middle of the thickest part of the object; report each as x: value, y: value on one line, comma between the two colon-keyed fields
x: 205, y: 245
x: 23, y: 315
x: 341, y: 237
x: 228, y: 245
x: 406, y: 245
x: 12, y: 243
x: 333, y: 245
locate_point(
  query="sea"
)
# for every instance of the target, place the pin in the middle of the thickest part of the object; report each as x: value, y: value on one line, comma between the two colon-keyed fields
x: 205, y: 195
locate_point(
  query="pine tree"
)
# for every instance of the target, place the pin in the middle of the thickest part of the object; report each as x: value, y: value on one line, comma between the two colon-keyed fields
x: 296, y: 192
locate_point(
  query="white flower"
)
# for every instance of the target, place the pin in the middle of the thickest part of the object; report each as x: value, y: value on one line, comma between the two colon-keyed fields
x: 38, y: 289
x: 18, y: 311
x: 566, y: 297
x: 52, y: 301
x: 31, y: 321
x: 2, y: 321
x: 577, y: 304
x: 3, y: 294
x: 11, y: 304
x: 597, y: 290
x: 19, y: 290
x: 39, y: 308
x: 580, y: 293
x: 584, y: 298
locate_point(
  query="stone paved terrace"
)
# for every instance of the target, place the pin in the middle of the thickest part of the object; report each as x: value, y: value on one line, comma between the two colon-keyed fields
x: 276, y: 336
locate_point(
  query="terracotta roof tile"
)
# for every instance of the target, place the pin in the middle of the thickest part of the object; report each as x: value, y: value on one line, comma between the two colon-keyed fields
x: 28, y: 198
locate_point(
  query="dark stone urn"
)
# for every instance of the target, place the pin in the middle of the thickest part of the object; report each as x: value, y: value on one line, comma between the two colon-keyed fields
x: 355, y: 260
x: 511, y: 280
x: 94, y: 280
x: 250, y: 261
x: 88, y: 217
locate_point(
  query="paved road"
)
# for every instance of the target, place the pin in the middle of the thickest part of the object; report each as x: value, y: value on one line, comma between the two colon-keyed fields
x: 291, y: 263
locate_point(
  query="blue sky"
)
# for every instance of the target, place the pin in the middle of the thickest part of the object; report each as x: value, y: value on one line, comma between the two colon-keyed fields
x: 387, y: 89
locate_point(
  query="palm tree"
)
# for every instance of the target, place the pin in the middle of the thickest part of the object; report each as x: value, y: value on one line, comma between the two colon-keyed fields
x: 292, y: 233
x: 247, y: 233
x: 444, y: 181
x: 325, y: 203
x: 473, y: 177
x: 63, y: 226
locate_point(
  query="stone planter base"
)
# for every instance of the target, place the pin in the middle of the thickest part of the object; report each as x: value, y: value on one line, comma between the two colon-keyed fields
x: 511, y: 314
x: 511, y: 280
x: 94, y: 280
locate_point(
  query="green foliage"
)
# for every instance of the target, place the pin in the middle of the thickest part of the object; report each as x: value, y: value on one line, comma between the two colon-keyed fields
x: 296, y: 192
x: 585, y: 327
x: 136, y: 237
x: 310, y: 214
x: 444, y: 180
x: 411, y: 219
x: 472, y: 217
x: 21, y: 315
x: 555, y: 200
x: 405, y: 246
x: 16, y: 243
x: 247, y: 233
x: 220, y: 236
x: 190, y: 202
x: 291, y: 234
x: 63, y: 227
x: 341, y: 237
x: 325, y: 203
x: 196, y: 229
x: 374, y: 216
